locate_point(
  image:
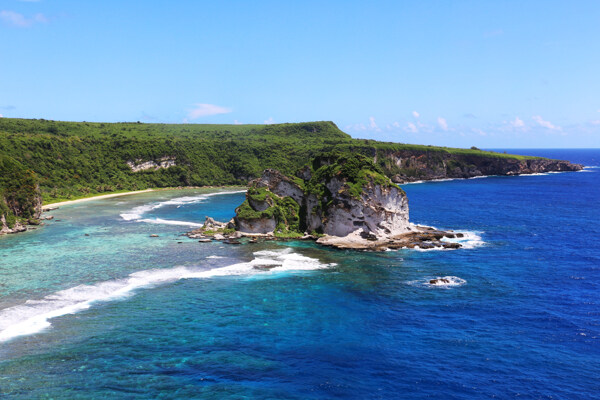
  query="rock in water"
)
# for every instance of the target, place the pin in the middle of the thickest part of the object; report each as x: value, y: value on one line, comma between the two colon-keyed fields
x: 342, y: 200
x: 335, y: 195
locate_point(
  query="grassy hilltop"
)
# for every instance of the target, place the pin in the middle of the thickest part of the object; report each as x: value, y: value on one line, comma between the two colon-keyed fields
x: 75, y: 159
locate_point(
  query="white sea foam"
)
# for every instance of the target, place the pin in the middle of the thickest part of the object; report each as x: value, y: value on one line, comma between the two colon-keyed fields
x: 534, y: 174
x: 430, y: 180
x: 34, y: 315
x: 170, y: 222
x: 444, y: 282
x: 136, y: 213
x: 470, y: 239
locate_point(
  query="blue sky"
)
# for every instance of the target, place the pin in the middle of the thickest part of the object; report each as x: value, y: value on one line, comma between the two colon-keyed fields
x: 455, y: 73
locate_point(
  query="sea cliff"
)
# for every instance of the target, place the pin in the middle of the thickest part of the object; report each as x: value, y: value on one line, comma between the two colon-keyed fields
x: 20, y: 198
x: 340, y: 200
x: 422, y: 165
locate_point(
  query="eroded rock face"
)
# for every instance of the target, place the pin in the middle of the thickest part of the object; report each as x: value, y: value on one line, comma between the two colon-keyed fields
x: 141, y: 165
x: 382, y: 211
x: 260, y: 226
x: 412, y: 165
x: 4, y: 229
x: 377, y: 208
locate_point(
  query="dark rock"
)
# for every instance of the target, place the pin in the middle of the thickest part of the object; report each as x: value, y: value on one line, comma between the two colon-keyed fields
x: 450, y: 245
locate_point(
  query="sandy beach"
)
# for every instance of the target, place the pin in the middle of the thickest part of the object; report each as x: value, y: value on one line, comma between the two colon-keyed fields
x: 104, y: 196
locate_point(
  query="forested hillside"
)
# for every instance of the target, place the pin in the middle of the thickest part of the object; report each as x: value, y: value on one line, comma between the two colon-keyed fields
x: 74, y: 159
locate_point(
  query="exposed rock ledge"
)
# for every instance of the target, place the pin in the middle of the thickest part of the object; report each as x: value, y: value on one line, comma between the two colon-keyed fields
x: 141, y: 165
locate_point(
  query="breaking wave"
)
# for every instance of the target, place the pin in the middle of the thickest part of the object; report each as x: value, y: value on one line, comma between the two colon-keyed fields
x: 136, y: 213
x: 444, y: 282
x: 34, y: 315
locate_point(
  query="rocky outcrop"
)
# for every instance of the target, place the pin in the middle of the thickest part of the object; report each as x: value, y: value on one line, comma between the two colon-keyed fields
x: 416, y: 165
x: 339, y: 200
x: 342, y: 200
x: 141, y: 165
x: 330, y: 199
x: 20, y: 197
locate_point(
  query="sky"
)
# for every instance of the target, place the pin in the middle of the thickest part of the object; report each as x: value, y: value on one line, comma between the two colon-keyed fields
x: 491, y: 74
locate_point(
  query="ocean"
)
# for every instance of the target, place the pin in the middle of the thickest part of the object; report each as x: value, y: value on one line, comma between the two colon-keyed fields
x: 93, y: 307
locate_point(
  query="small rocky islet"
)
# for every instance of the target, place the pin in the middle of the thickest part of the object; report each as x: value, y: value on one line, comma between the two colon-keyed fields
x: 339, y: 200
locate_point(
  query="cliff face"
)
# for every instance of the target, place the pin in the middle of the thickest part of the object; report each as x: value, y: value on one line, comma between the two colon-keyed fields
x: 20, y: 198
x: 410, y: 166
x: 337, y: 195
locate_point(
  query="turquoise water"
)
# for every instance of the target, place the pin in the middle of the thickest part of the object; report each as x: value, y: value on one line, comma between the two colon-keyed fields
x: 118, y: 314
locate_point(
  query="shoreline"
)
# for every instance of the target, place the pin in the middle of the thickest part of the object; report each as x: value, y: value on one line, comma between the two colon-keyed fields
x: 45, y: 207
x: 51, y: 206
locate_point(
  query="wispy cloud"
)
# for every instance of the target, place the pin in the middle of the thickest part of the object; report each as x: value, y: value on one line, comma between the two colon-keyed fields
x: 442, y: 123
x: 546, y: 124
x: 269, y: 121
x: 236, y: 122
x: 19, y: 20
x: 416, y: 114
x: 373, y: 125
x: 410, y: 127
x: 517, y: 123
x: 205, y: 110
x: 1, y: 116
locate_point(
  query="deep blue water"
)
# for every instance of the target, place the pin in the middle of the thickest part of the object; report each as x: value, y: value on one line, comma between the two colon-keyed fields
x: 324, y: 324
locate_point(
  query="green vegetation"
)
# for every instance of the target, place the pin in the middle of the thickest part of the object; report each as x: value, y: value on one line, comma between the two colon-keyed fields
x: 355, y: 169
x: 18, y: 191
x: 79, y: 159
x: 285, y: 211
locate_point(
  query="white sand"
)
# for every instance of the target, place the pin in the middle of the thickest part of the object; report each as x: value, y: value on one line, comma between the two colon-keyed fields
x: 104, y: 196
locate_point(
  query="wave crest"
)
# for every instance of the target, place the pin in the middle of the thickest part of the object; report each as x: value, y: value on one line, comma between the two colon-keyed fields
x: 33, y: 316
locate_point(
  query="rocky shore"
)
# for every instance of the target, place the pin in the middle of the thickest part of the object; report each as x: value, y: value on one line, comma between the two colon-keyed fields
x: 410, y: 165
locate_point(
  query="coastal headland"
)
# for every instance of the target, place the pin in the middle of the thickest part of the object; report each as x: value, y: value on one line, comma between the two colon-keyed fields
x: 43, y: 161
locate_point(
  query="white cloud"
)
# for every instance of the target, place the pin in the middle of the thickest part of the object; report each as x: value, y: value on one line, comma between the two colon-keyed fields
x: 373, y: 124
x: 410, y: 127
x: 442, y: 123
x: 517, y: 123
x: 396, y: 124
x: 595, y: 122
x: 545, y: 124
x: 204, y: 110
x: 236, y: 122
x: 19, y: 20
x: 416, y: 114
x: 269, y: 121
x: 1, y: 116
